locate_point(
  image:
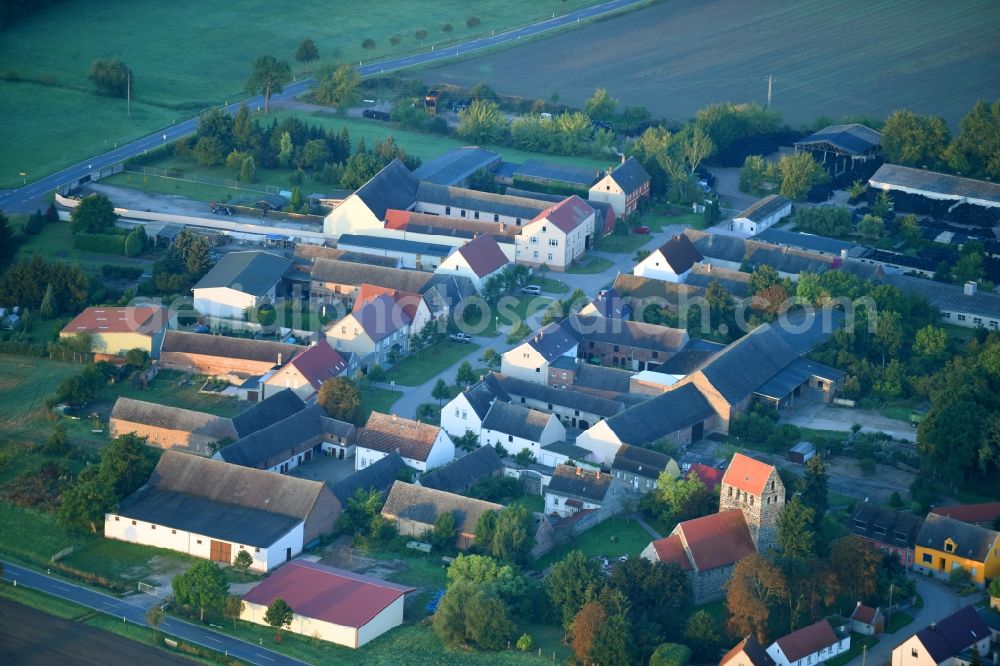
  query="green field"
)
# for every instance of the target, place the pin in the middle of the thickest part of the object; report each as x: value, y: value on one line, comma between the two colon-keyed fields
x: 167, y: 389
x: 187, y: 56
x: 25, y: 384
x: 593, y: 265
x: 511, y: 311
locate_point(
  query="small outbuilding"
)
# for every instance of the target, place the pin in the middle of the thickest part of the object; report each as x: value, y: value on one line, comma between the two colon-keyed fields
x: 333, y: 605
x: 762, y: 215
x: 801, y: 452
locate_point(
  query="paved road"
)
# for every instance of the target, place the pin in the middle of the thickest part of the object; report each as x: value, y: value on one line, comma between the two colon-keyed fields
x: 940, y: 601
x: 28, y: 197
x: 136, y: 614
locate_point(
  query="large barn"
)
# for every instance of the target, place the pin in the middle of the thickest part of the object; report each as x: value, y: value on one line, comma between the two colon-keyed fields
x: 940, y: 195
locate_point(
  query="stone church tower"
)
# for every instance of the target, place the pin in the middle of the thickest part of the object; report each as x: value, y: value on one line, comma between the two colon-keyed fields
x: 755, y: 489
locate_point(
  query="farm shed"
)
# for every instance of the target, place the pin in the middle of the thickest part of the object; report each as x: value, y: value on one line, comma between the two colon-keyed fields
x: 762, y: 215
x: 801, y: 452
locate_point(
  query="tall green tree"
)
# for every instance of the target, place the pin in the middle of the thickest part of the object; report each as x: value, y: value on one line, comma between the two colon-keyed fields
x: 95, y: 215
x: 796, y: 538
x: 601, y: 105
x: 465, y: 375
x: 203, y: 586
x: 482, y: 122
x: 7, y: 245
x: 84, y: 504
x: 307, y: 52
x: 279, y: 615
x: 916, y: 140
x: 111, y: 77
x: 756, y: 586
x: 49, y: 308
x: 702, y: 635
x: 338, y: 86
x: 341, y: 400
x: 815, y: 488
x: 799, y: 173
x: 440, y: 391
x: 243, y: 561
x: 268, y: 75
x: 571, y: 583
x: 976, y: 150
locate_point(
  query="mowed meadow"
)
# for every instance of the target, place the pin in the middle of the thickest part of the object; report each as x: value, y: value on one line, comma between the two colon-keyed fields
x: 188, y: 55
x: 828, y: 58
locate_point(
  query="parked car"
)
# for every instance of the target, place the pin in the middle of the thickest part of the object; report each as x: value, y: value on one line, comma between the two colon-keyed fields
x: 533, y: 289
x: 643, y: 230
x: 202, y: 328
x: 460, y: 337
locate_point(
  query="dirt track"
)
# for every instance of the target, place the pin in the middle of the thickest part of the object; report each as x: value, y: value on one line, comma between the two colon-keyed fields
x: 827, y: 58
x: 28, y: 636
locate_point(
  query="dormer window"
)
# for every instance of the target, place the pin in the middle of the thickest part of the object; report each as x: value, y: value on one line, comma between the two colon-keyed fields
x: 949, y: 546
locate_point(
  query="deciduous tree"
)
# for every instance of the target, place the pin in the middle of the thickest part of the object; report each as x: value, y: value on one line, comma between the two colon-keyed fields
x: 465, y: 375
x: 307, y: 52
x: 586, y: 624
x: 702, y: 635
x: 268, y: 75
x: 243, y: 561
x: 601, y: 105
x: 756, y: 586
x: 338, y: 86
x: 912, y: 139
x: 111, y: 77
x: 856, y: 564
x: 799, y: 173
x: 671, y: 654
x: 482, y: 122
x: 571, y: 582
x: 279, y: 615
x: 341, y: 400
x: 441, y: 392
x: 95, y: 215
x: 203, y: 586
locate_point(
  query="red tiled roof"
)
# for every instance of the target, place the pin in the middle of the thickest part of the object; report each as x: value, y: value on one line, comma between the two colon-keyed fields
x: 396, y: 219
x: 324, y: 593
x: 406, y: 300
x: 970, y: 513
x: 747, y: 474
x: 710, y: 476
x: 671, y: 551
x: 807, y: 640
x: 483, y: 255
x: 568, y: 214
x: 754, y: 651
x: 717, y: 539
x: 144, y: 320
x: 319, y: 363
x: 864, y: 614
x: 413, y: 439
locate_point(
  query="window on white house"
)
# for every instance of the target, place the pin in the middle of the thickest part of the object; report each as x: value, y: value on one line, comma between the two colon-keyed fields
x: 533, y: 240
x: 456, y: 411
x: 199, y: 542
x: 173, y: 531
x: 465, y: 414
x: 534, y: 255
x: 913, y: 652
x: 447, y: 210
x: 256, y: 550
x: 550, y: 256
x: 554, y: 242
x: 116, y: 519
x: 152, y: 527
x: 133, y: 522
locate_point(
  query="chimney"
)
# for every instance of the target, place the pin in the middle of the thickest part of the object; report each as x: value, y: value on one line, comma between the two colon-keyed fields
x: 579, y: 471
x: 622, y: 155
x: 598, y: 475
x: 843, y: 254
x: 394, y: 416
x: 279, y: 358
x: 970, y: 288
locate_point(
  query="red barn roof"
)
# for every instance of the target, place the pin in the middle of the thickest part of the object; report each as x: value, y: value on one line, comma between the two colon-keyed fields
x: 865, y: 614
x: 483, y: 255
x: 324, y: 593
x: 710, y: 476
x: 568, y: 214
x: 671, y: 551
x: 144, y: 320
x: 970, y: 513
x: 319, y: 363
x: 807, y: 640
x: 747, y: 474
x: 718, y: 539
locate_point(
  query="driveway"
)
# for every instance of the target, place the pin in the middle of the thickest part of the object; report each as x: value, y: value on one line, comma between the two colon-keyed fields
x: 820, y: 416
x: 940, y: 601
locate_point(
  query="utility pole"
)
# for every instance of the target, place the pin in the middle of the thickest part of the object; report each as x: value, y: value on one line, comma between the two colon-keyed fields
x: 864, y: 654
x: 128, y: 79
x: 770, y: 88
x: 891, y: 585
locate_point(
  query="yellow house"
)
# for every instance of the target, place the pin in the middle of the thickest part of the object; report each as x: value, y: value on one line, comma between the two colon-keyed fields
x: 945, y: 544
x: 114, y: 330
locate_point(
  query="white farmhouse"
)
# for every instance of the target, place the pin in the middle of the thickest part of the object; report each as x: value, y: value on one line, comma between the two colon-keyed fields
x: 479, y: 259
x: 815, y: 644
x: 947, y: 642
x: 530, y: 360
x: 467, y: 410
x: 239, y: 281
x: 558, y: 236
x: 422, y: 446
x: 762, y: 215
x: 671, y: 262
x: 516, y: 428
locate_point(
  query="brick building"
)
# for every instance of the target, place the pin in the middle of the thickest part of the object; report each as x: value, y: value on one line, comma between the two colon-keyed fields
x: 216, y: 355
x: 169, y: 427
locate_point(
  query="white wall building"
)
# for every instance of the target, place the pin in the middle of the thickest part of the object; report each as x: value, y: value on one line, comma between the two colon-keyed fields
x: 239, y: 281
x: 517, y: 428
x: 670, y: 262
x: 762, y: 215
x: 558, y: 236
x: 422, y: 447
x: 815, y: 644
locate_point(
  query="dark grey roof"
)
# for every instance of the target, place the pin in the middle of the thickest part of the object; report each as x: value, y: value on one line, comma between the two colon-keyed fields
x: 457, y: 164
x: 746, y: 364
x: 702, y: 275
x: 481, y: 395
x: 853, y: 139
x: 229, y: 347
x: 279, y: 441
x: 449, y: 290
x: 609, y: 303
x: 971, y: 541
x: 565, y: 363
x: 380, y: 475
x: 949, y: 297
x: 276, y: 408
x: 660, y: 416
x: 630, y: 176
x: 584, y: 402
x: 424, y: 505
x: 895, y: 528
x: 501, y: 204
x: 936, y: 185
x: 680, y: 253
x: 567, y: 449
x: 560, y: 173
x: 343, y: 429
x: 251, y: 272
x: 796, y: 374
x: 218, y: 520
x: 394, y: 245
x: 394, y: 187
x: 275, y: 201
x: 641, y: 461
x: 588, y: 328
x: 805, y: 331
x: 764, y: 208
x: 736, y: 250
x: 949, y: 637
x: 803, y: 241
x: 529, y: 194
x: 172, y: 418
x: 553, y: 340
x: 516, y: 420
x: 602, y: 378
x: 348, y: 272
x: 580, y: 482
x: 464, y: 472
x: 690, y: 358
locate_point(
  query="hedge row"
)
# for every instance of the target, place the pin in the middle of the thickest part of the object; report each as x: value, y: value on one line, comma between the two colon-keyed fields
x: 23, y: 348
x: 119, y: 271
x: 106, y: 243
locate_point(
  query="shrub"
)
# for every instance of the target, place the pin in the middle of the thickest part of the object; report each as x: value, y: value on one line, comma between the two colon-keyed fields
x: 123, y: 272
x: 104, y: 243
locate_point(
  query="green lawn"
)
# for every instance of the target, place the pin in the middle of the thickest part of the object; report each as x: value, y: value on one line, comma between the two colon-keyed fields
x: 836, y: 499
x: 549, y: 285
x: 166, y: 389
x: 591, y: 266
x: 620, y: 244
x: 56, y: 242
x: 656, y: 220
x: 25, y: 384
x: 66, y: 121
x: 898, y: 621
x: 534, y: 503
x: 425, y: 364
x: 374, y: 399
x: 858, y: 641
x: 631, y: 540
x: 510, y: 311
x: 187, y: 189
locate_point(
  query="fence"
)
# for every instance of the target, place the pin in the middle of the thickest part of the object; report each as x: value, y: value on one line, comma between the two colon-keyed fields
x: 146, y: 588
x: 175, y: 173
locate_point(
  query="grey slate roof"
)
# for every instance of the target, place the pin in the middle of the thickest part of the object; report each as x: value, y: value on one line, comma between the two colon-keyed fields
x: 464, y: 472
x: 680, y: 253
x: 853, y: 139
x: 455, y: 165
x: 346, y: 431
x: 642, y: 462
x: 276, y: 408
x: 630, y: 176
x: 481, y: 395
x: 796, y: 374
x: 602, y: 378
x: 949, y: 637
x: 392, y: 187
x: 936, y: 185
x: 690, y: 358
x: 501, y: 204
x: 588, y: 328
x: 449, y: 290
x: 567, y: 449
x: 660, y: 416
x: 896, y: 528
x: 971, y: 542
x: 251, y: 272
x: 560, y: 173
x: 580, y: 483
x: 424, y: 505
x: 380, y: 475
x: 735, y: 250
x: 229, y: 347
x: 277, y: 442
x: 516, y: 420
x: 172, y: 418
x: 949, y: 296
x: 219, y: 520
x: 592, y: 404
x: 348, y: 272
x: 553, y: 341
x: 394, y: 245
x: 803, y: 241
x: 746, y: 364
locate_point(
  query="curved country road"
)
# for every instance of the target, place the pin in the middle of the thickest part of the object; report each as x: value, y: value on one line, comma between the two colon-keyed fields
x: 25, y: 199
